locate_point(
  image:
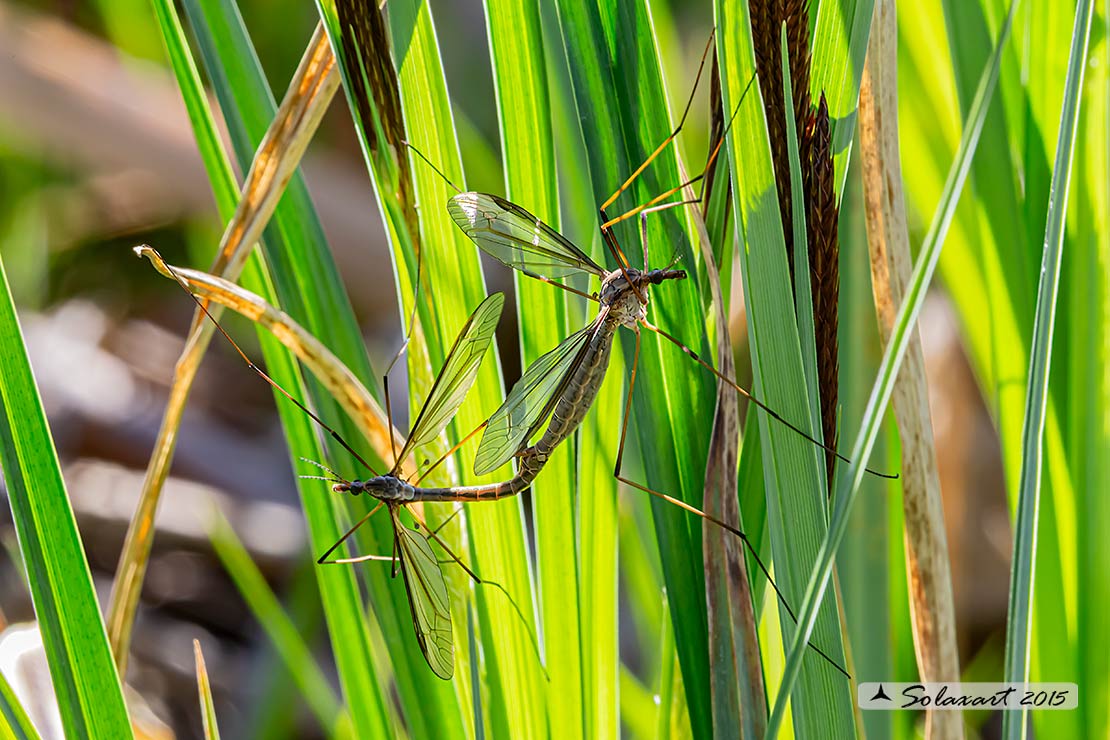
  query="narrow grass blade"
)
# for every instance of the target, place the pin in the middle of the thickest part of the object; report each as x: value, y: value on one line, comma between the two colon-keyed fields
x: 624, y: 116
x: 204, y: 689
x: 86, y: 684
x: 870, y: 557
x: 1088, y: 441
x: 450, y: 261
x: 793, y: 468
x: 14, y: 723
x: 262, y: 601
x: 581, y: 656
x: 497, y: 537
x: 803, y: 296
x: 136, y: 548
x: 880, y: 394
x: 1019, y: 629
x: 839, y: 47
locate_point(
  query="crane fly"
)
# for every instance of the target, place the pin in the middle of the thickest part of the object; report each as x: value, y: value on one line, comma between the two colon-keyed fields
x: 412, y: 553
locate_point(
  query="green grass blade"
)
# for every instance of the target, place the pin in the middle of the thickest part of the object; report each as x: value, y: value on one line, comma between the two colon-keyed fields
x: 86, y: 684
x: 599, y: 552
x: 624, y: 116
x: 863, y: 561
x: 192, y: 90
x: 581, y: 657
x: 497, y: 536
x: 1089, y: 347
x: 1019, y: 628
x: 266, y: 608
x: 793, y: 467
x: 839, y: 48
x: 880, y: 394
x: 803, y: 296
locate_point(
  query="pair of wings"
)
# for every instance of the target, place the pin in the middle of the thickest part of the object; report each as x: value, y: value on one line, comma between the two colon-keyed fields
x: 519, y: 240
x: 457, y: 376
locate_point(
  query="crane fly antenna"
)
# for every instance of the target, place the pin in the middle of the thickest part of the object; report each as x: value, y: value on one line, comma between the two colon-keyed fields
x: 273, y: 383
x: 323, y: 467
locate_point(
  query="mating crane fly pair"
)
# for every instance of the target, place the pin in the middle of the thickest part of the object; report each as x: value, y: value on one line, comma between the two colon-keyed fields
x: 561, y: 386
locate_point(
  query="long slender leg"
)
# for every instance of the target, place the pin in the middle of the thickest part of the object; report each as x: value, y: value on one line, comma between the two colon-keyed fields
x: 606, y: 222
x: 433, y: 534
x: 628, y: 404
x: 622, y: 262
x: 158, y: 261
x: 389, y: 417
x: 742, y: 391
x: 694, y: 510
x: 689, y: 102
x: 323, y: 560
x: 450, y: 452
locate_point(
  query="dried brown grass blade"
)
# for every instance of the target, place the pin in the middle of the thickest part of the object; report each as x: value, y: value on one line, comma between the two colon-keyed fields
x: 337, y: 378
x: 204, y: 690
x: 735, y: 662
x: 931, y: 603
x: 309, y: 94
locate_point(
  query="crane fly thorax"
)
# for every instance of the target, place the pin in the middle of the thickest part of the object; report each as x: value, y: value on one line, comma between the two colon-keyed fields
x: 619, y: 296
x: 382, y: 487
x: 619, y: 293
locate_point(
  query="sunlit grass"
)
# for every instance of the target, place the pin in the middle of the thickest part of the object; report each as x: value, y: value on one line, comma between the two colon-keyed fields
x: 580, y: 101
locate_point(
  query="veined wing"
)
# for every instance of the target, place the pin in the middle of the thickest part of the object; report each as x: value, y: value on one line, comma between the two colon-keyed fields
x: 530, y: 401
x: 428, y: 600
x: 518, y: 239
x: 458, y: 373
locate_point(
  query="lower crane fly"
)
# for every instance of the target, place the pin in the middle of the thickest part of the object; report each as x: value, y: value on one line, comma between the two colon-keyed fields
x: 412, y: 553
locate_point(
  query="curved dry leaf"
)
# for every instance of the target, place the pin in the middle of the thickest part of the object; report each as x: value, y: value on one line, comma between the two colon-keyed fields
x: 307, y: 99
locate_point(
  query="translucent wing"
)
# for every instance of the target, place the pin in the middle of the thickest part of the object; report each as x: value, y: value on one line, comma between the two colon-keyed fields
x: 457, y: 375
x: 518, y: 239
x: 428, y: 600
x: 530, y: 402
